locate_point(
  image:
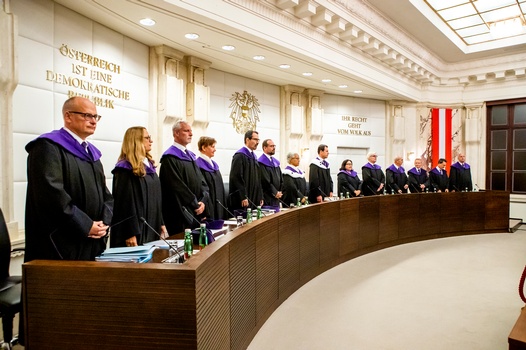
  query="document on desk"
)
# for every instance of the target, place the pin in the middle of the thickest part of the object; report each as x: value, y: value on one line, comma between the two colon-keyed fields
x: 138, y: 254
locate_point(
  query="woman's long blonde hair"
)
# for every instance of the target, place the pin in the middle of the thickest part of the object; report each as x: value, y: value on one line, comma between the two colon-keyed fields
x: 133, y: 150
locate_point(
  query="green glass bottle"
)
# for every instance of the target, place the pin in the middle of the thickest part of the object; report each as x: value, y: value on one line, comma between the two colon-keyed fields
x: 259, y: 213
x: 188, y: 244
x: 347, y: 195
x: 203, y: 239
x: 298, y: 202
x: 249, y: 215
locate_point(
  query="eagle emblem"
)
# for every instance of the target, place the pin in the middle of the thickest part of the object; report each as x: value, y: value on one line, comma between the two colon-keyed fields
x: 245, y: 110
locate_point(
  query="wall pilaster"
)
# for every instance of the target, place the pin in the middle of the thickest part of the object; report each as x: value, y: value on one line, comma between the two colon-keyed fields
x: 8, y: 83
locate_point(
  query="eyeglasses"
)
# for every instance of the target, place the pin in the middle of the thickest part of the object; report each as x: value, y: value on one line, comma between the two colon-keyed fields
x: 149, y: 138
x: 88, y: 116
x: 255, y: 139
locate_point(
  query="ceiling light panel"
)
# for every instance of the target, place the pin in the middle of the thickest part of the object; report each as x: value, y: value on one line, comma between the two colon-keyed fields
x: 444, y: 4
x: 489, y: 5
x: 466, y: 22
x: 501, y: 14
x: 457, y: 12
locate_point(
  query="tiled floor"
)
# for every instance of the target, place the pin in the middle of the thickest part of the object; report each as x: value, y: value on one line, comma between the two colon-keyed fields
x: 450, y: 293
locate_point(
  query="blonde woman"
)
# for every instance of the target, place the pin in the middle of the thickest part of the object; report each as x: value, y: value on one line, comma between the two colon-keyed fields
x: 136, y: 191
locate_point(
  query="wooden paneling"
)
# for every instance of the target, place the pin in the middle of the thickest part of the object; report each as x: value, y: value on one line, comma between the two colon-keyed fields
x: 388, y: 219
x: 349, y: 225
x: 220, y: 298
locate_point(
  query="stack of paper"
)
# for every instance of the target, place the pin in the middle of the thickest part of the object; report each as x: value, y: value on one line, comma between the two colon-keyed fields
x: 139, y: 254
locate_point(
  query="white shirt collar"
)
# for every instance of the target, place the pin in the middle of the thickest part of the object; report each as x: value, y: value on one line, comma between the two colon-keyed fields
x: 181, y: 147
x: 75, y: 136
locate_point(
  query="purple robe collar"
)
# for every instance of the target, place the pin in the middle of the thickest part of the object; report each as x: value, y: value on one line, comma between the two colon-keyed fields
x: 206, y: 166
x: 246, y: 152
x: 415, y: 172
x: 189, y: 156
x: 124, y: 164
x: 62, y: 138
x: 293, y: 172
x: 263, y: 159
x: 351, y: 173
x: 371, y: 166
x: 322, y: 163
x: 393, y: 168
x: 460, y: 167
x: 437, y: 172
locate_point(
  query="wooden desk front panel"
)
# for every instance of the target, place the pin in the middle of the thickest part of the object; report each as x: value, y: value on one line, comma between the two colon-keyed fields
x: 222, y: 296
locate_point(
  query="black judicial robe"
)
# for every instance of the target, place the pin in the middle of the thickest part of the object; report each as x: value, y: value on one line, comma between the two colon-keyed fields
x: 416, y: 179
x: 348, y: 182
x: 66, y: 192
x: 271, y: 180
x: 373, y: 176
x: 396, y: 179
x: 244, y: 180
x: 294, y: 185
x: 320, y: 181
x: 182, y: 186
x: 460, y: 177
x: 438, y: 181
x: 214, y: 180
x: 135, y: 197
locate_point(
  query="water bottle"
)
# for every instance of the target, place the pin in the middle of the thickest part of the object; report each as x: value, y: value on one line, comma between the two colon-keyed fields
x: 203, y: 238
x: 347, y: 195
x: 249, y: 215
x: 298, y: 202
x: 259, y: 213
x: 188, y: 244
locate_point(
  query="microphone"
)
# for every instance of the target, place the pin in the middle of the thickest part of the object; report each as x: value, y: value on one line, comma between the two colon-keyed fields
x: 190, y: 214
x: 222, y: 206
x: 414, y: 187
x: 282, y: 202
x: 370, y: 189
x: 120, y: 222
x: 456, y: 188
x: 324, y: 194
x: 248, y: 199
x: 180, y: 259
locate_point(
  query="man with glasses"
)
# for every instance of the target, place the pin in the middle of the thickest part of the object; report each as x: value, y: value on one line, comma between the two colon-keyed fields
x: 271, y: 177
x: 320, y: 180
x: 68, y: 206
x: 244, y: 180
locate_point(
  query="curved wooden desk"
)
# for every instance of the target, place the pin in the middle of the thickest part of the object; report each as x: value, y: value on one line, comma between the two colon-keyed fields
x: 220, y: 298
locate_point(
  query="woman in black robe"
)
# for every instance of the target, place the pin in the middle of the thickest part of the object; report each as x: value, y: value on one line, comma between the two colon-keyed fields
x: 348, y: 180
x: 136, y: 192
x: 213, y: 177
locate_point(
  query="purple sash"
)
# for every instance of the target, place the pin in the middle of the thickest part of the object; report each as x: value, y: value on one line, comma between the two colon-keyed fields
x: 460, y: 167
x: 65, y: 140
x: 351, y: 173
x: 203, y: 164
x: 176, y: 152
x: 246, y: 152
x: 415, y: 172
x: 124, y: 164
x: 395, y: 170
x: 263, y: 159
x: 371, y: 166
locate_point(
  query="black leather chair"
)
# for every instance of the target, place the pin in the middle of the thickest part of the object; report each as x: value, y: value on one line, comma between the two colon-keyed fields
x: 10, y: 286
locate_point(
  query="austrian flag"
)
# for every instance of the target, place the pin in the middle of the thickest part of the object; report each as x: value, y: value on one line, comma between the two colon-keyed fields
x: 441, y: 134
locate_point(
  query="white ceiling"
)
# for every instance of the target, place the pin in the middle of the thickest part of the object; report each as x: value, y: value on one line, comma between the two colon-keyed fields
x: 215, y: 26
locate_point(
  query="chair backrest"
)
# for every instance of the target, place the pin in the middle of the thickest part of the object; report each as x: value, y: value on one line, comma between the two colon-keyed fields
x: 5, y: 248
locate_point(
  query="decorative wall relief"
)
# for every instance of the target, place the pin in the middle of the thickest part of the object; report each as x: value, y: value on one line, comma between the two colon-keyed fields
x: 245, y: 111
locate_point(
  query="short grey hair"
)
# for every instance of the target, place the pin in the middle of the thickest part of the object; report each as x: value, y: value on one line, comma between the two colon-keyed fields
x: 178, y: 125
x: 371, y: 154
x: 291, y: 155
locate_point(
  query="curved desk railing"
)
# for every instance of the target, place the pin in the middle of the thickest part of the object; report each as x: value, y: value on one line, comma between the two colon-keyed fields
x: 222, y: 296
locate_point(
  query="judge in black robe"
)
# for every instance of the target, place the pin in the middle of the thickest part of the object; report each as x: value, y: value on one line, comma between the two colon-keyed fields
x: 137, y: 193
x: 438, y: 177
x: 244, y: 180
x: 373, y: 177
x: 348, y: 181
x: 68, y: 206
x: 294, y: 183
x: 418, y: 178
x: 213, y: 178
x: 460, y: 175
x: 184, y: 190
x: 270, y: 173
x: 320, y: 181
x: 396, y: 178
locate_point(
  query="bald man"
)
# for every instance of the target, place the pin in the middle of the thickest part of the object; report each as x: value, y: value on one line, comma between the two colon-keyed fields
x: 68, y: 206
x: 460, y: 175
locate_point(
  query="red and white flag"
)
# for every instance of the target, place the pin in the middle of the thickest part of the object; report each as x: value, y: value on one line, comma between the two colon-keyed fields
x: 440, y: 134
